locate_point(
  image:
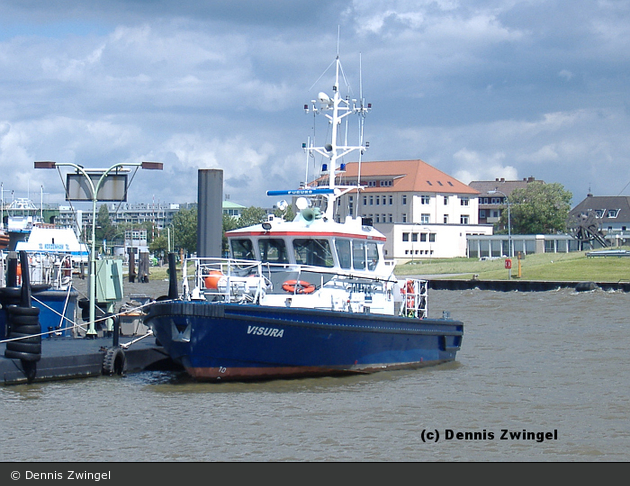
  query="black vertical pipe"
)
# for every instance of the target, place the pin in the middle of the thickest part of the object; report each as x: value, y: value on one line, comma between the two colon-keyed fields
x: 12, y: 270
x: 172, y: 276
x: 25, y: 296
x: 116, y: 332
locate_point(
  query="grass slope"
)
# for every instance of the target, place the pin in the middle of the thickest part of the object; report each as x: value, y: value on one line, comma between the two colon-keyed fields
x: 572, y: 267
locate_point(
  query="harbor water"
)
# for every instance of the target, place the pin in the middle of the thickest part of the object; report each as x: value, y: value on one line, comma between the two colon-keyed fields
x: 541, y: 376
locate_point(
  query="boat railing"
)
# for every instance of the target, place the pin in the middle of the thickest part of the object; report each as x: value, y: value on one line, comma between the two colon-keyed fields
x: 221, y: 279
x: 52, y: 269
x: 229, y: 280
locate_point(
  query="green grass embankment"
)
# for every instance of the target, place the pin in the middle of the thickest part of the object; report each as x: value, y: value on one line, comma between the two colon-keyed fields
x: 561, y: 267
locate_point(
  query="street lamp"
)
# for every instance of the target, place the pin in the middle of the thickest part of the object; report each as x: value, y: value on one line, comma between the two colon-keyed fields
x: 100, y: 176
x: 510, y: 250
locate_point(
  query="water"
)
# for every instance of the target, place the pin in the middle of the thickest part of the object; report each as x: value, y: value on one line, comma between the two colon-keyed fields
x: 543, y: 362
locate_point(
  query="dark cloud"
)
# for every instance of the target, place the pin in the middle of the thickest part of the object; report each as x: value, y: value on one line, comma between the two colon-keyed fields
x: 479, y: 89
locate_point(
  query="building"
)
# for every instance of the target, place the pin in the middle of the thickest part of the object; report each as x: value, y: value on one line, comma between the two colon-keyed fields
x: 492, y: 196
x: 608, y: 216
x: 232, y: 209
x: 423, y: 212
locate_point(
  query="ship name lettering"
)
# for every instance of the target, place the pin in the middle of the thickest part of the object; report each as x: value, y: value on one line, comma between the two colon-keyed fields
x: 265, y: 331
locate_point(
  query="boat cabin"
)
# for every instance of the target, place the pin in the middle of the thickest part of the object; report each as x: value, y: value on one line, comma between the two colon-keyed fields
x: 321, y: 244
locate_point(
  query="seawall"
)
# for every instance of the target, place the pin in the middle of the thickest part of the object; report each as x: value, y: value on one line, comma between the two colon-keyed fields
x: 524, y: 285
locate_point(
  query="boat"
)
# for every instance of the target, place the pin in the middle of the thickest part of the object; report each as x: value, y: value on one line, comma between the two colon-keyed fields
x: 53, y: 255
x: 302, y: 298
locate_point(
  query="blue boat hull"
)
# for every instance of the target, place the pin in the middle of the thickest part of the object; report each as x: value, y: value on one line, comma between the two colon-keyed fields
x: 217, y: 341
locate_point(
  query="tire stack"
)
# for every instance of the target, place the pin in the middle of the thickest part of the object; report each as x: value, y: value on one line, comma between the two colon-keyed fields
x: 23, y: 323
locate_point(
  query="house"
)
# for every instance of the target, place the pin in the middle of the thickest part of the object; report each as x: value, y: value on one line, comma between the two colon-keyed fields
x: 609, y: 215
x: 493, y: 195
x: 232, y: 209
x: 422, y: 211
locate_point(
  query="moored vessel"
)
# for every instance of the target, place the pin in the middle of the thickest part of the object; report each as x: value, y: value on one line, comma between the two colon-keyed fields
x: 307, y: 297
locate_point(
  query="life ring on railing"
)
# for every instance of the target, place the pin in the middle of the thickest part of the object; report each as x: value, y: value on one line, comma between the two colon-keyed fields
x: 212, y: 280
x: 298, y: 287
x: 67, y: 267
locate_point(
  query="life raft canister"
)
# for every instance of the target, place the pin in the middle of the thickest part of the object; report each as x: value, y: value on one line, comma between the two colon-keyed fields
x: 298, y: 287
x: 212, y: 280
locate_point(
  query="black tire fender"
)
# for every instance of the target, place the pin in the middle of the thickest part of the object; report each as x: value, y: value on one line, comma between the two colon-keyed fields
x: 114, y: 362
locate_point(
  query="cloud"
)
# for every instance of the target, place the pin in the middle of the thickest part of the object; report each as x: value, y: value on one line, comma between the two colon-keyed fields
x: 484, y: 89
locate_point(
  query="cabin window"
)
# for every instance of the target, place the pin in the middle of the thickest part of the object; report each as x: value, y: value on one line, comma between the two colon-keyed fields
x: 242, y: 249
x: 273, y: 250
x: 358, y: 255
x: 313, y: 252
x: 344, y: 254
x: 372, y: 254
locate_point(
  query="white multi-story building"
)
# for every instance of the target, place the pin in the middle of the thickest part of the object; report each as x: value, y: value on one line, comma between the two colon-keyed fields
x: 422, y: 211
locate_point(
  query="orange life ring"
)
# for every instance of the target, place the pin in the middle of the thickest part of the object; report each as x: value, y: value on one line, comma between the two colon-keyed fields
x: 298, y: 287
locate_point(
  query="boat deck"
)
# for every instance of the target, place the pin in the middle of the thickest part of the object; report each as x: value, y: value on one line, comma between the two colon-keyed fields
x: 70, y: 358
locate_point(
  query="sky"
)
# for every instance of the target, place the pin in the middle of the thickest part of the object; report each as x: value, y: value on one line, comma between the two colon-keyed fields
x: 479, y: 89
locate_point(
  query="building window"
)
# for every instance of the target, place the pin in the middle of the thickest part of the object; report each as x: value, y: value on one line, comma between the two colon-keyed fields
x: 482, y: 213
x: 391, y: 218
x: 463, y: 219
x: 371, y: 200
x: 365, y: 200
x: 404, y: 217
x: 464, y: 201
x: 386, y: 183
x: 378, y: 200
x: 424, y: 218
x: 405, y: 236
x: 391, y: 200
x: 445, y: 200
x: 446, y: 219
x: 612, y: 213
x: 414, y: 237
x: 423, y: 237
x: 371, y: 183
x: 425, y: 199
x: 432, y: 239
x: 404, y: 199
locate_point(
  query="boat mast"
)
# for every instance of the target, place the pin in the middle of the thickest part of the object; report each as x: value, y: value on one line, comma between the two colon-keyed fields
x: 336, y: 109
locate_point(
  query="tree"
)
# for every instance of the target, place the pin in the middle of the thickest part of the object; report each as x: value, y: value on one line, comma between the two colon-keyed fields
x: 252, y: 215
x: 286, y: 214
x: 185, y: 229
x: 538, y: 208
x: 105, y: 229
x: 159, y: 245
x: 229, y: 223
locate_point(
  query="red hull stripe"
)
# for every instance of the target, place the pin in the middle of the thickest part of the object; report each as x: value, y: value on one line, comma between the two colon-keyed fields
x: 307, y: 234
x: 265, y: 373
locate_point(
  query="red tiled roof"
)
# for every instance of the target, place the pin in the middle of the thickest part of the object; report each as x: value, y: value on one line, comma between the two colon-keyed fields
x: 406, y: 176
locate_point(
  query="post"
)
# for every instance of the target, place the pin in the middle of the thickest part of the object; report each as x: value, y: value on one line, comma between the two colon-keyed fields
x: 209, y: 212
